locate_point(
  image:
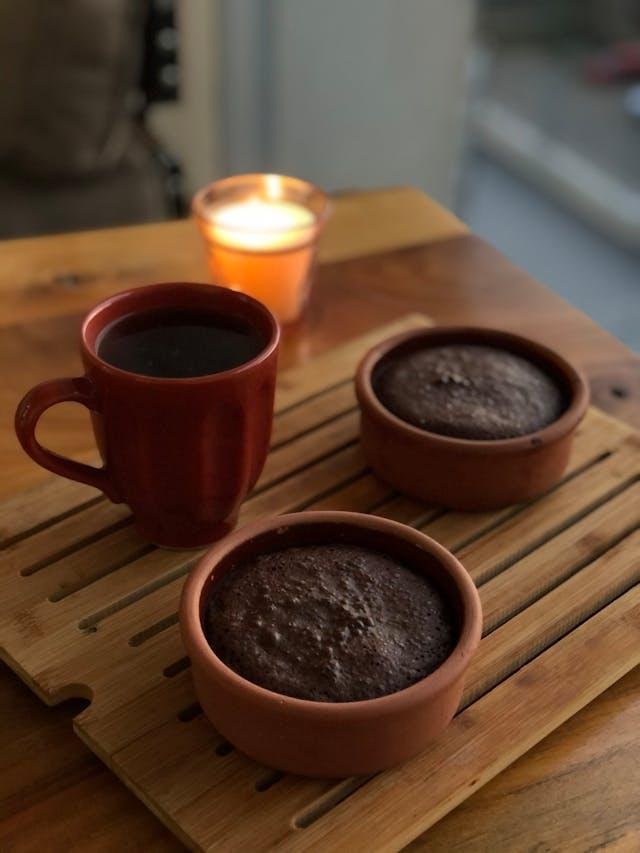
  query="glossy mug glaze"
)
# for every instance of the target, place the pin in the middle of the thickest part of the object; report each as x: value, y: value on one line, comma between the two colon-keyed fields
x: 182, y: 453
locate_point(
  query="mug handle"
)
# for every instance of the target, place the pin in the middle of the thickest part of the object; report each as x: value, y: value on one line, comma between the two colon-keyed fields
x: 34, y: 404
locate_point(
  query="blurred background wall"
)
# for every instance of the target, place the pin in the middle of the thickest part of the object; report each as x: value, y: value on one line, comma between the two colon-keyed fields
x: 349, y: 94
x: 363, y: 93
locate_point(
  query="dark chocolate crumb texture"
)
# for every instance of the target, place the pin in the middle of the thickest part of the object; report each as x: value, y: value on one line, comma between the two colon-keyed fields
x: 469, y: 391
x: 331, y: 623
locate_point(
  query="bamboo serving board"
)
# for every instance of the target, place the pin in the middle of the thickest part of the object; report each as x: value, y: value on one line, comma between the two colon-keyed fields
x: 89, y: 609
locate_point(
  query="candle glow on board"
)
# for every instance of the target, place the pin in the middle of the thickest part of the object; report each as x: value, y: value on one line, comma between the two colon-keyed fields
x: 261, y: 236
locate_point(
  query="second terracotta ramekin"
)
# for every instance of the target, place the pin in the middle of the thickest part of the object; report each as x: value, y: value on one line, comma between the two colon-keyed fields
x: 461, y: 473
x: 329, y: 739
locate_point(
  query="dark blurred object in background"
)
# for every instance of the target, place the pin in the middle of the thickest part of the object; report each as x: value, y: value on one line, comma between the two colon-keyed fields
x: 74, y: 149
x: 518, y: 21
x: 620, y: 61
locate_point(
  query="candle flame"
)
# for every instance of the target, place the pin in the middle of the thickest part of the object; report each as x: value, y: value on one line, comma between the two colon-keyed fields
x: 258, y: 218
x: 273, y: 186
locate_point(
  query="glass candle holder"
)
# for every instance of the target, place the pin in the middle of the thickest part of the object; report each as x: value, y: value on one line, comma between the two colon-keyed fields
x: 261, y: 234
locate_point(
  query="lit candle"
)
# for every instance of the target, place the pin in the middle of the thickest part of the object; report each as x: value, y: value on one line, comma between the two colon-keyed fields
x: 261, y: 233
x: 258, y: 224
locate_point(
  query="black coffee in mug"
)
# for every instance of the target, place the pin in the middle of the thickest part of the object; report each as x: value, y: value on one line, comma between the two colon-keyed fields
x: 178, y: 343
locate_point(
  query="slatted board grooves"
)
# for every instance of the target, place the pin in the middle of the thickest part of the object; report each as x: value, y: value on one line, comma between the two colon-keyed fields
x: 89, y: 603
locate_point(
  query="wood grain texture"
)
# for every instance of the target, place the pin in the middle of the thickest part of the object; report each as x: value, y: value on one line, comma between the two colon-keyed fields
x: 90, y: 611
x: 44, y: 277
x: 576, y: 790
x: 546, y: 801
x: 547, y: 690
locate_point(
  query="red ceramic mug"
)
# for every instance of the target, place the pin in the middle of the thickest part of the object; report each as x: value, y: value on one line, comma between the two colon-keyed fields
x: 182, y: 453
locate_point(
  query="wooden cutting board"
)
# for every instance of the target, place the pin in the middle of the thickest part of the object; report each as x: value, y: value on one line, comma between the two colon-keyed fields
x: 89, y: 609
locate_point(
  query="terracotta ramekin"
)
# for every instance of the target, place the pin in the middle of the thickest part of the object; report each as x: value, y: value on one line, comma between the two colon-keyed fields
x: 329, y: 739
x: 460, y: 473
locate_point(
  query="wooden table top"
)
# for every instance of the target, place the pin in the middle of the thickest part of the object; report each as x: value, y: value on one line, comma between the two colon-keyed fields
x: 383, y: 254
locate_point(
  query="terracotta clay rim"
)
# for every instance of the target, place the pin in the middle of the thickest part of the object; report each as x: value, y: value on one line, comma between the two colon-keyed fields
x: 575, y: 385
x: 178, y: 287
x: 416, y: 694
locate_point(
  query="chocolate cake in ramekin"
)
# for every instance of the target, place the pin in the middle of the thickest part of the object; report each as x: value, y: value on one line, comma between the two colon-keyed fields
x: 329, y: 643
x: 468, y: 418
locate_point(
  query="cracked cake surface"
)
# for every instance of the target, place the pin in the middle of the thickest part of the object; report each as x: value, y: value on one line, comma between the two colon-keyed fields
x: 332, y: 623
x: 469, y: 391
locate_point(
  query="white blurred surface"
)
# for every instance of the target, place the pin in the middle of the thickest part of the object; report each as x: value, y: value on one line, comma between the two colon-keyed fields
x: 574, y: 260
